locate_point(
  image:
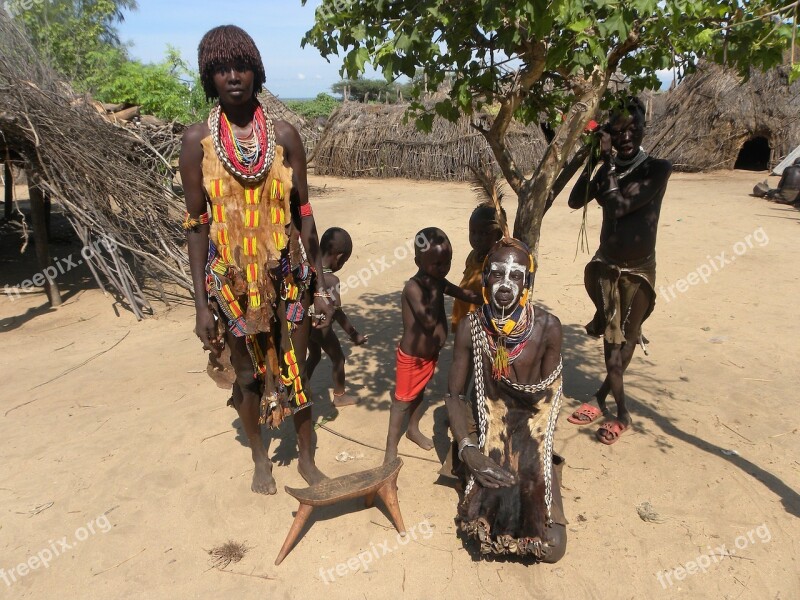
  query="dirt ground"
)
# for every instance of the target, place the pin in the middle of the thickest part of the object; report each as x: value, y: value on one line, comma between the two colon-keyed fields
x: 122, y: 466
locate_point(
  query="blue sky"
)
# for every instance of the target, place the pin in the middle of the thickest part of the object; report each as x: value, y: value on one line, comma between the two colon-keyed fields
x: 277, y: 26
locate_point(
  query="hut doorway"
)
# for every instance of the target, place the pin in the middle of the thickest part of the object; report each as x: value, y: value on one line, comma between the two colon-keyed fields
x: 754, y: 155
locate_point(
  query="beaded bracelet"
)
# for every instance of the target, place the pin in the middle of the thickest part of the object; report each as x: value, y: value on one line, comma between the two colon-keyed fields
x: 190, y: 223
x: 305, y: 210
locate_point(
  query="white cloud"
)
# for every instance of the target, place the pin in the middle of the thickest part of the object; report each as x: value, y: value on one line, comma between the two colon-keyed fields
x: 317, y: 76
x: 301, y: 76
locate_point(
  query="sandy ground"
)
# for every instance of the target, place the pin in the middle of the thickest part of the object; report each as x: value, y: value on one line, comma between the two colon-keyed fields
x: 116, y: 443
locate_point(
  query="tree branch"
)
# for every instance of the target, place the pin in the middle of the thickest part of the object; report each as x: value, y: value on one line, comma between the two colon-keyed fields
x: 495, y: 137
x: 569, y: 170
x: 622, y: 49
x: 496, y: 134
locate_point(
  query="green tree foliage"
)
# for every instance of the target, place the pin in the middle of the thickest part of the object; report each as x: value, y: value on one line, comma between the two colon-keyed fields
x: 543, y: 60
x: 321, y: 106
x: 361, y: 89
x: 79, y: 38
x: 168, y: 90
x: 67, y: 31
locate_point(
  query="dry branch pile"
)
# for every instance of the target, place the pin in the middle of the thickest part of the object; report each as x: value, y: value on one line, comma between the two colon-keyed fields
x: 164, y: 137
x: 371, y: 140
x: 710, y: 115
x: 115, y: 186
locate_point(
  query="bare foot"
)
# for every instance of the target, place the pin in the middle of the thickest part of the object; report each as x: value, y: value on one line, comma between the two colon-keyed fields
x: 309, y: 471
x: 263, y: 481
x: 344, y: 400
x: 391, y: 454
x: 415, y: 435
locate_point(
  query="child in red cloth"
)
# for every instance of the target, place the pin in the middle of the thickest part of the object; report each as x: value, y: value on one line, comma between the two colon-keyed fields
x: 424, y: 334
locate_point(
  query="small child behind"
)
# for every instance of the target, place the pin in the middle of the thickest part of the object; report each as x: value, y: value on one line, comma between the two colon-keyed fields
x: 336, y: 247
x: 484, y: 230
x: 424, y: 335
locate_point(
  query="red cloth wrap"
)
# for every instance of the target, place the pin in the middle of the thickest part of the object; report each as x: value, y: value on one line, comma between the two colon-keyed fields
x: 305, y: 210
x: 413, y: 374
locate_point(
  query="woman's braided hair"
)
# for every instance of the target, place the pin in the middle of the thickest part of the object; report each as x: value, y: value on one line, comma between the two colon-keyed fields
x: 225, y: 46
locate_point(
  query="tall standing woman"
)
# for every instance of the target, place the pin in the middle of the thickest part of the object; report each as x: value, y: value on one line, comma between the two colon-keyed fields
x: 253, y: 248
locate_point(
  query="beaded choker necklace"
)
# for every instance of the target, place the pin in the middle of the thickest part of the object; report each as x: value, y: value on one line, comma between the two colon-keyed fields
x: 250, y: 159
x: 501, y: 347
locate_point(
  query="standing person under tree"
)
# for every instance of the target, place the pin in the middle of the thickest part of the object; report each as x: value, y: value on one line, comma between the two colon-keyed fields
x: 253, y: 261
x: 620, y: 279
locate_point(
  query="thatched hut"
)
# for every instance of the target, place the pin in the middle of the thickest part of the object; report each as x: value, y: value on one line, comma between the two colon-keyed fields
x: 715, y: 120
x: 278, y: 110
x: 655, y: 103
x: 372, y: 140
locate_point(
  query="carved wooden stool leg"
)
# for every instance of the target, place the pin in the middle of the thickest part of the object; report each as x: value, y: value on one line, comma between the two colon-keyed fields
x: 297, y: 526
x: 388, y: 493
x: 369, y: 499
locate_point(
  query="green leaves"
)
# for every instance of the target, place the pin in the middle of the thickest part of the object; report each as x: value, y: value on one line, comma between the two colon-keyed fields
x: 704, y: 38
x: 481, y: 43
x: 543, y: 56
x: 80, y: 39
x: 614, y: 25
x: 67, y: 31
x: 160, y: 88
x: 424, y: 122
x: 321, y: 106
x: 580, y: 25
x: 794, y: 74
x: 353, y: 63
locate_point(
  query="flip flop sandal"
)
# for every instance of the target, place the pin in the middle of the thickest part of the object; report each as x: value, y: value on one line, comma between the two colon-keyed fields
x: 609, y: 432
x: 590, y: 412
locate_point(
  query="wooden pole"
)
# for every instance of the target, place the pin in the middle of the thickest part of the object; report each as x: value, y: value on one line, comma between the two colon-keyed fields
x: 8, y: 178
x: 39, y: 222
x: 794, y: 32
x: 48, y: 207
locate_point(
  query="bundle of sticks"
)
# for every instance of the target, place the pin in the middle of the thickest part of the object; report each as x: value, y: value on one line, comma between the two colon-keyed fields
x: 115, y: 183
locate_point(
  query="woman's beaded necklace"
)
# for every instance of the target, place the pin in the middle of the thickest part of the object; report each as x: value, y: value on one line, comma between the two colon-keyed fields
x: 248, y: 159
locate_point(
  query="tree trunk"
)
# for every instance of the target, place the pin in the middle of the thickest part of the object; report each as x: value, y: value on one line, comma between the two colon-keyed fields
x: 533, y: 195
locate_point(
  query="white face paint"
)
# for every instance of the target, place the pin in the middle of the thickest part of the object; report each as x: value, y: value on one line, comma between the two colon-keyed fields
x: 513, y: 277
